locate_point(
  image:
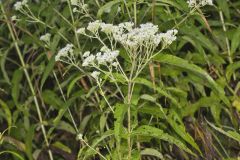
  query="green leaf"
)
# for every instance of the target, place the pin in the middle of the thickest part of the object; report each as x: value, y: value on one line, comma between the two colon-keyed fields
x: 107, y: 7
x: 158, y: 89
x: 153, y: 132
x: 62, y: 146
x: 13, y: 153
x: 8, y: 114
x: 152, y: 110
x: 179, y: 128
x: 152, y: 152
x: 72, y: 83
x: 231, y: 134
x: 174, y: 4
x: 235, y: 41
x: 185, y: 65
x: 202, y: 102
x: 62, y: 111
x: 28, y: 141
x: 119, y: 114
x: 231, y: 68
x: 223, y: 6
x: 47, y: 71
x: 3, y: 58
x: 66, y: 127
x: 96, y: 142
x: 16, y: 81
x: 52, y: 99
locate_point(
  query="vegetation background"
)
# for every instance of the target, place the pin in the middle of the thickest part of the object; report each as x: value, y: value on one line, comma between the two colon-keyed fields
x: 196, y: 82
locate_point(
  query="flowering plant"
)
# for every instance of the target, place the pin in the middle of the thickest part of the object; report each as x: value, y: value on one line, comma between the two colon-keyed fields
x: 140, y: 43
x: 126, y: 49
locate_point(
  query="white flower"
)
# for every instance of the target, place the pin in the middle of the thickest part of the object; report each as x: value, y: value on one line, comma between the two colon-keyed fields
x: 79, y: 136
x: 95, y: 74
x: 115, y: 64
x: 86, y: 54
x: 74, y: 2
x: 81, y: 31
x: 104, y: 49
x: 206, y: 2
x: 101, y: 59
x: 19, y: 5
x: 108, y: 28
x: 194, y: 3
x: 85, y: 6
x: 168, y: 37
x: 14, y: 18
x: 64, y: 52
x: 135, y: 37
x: 94, y: 26
x: 75, y: 10
x: 126, y: 25
x: 46, y: 37
x: 88, y: 60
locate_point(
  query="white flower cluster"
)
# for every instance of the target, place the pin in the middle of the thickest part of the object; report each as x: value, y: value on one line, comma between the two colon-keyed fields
x: 80, y: 7
x: 20, y: 5
x: 194, y: 3
x: 79, y: 136
x: 94, y: 26
x: 168, y: 37
x: 81, y: 31
x: 130, y: 37
x: 74, y: 2
x: 139, y: 43
x: 66, y: 52
x: 95, y: 74
x: 46, y: 37
x: 106, y: 57
x: 14, y: 18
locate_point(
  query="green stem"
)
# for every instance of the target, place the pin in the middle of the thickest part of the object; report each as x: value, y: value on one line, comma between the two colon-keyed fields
x: 73, y: 21
x: 64, y: 98
x: 135, y: 12
x: 102, y: 93
x: 28, y: 80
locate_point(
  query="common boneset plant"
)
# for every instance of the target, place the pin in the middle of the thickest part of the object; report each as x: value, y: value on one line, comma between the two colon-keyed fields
x: 141, y: 45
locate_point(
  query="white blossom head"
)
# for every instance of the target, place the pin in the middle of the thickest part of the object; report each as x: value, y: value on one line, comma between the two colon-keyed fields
x: 107, y: 57
x: 79, y: 136
x: 74, y: 2
x: 126, y: 25
x: 86, y: 54
x: 95, y: 75
x: 192, y: 3
x: 104, y: 49
x: 14, y: 18
x: 94, y: 26
x: 46, y: 37
x: 75, y: 10
x: 200, y: 3
x: 89, y: 60
x: 19, y: 5
x: 206, y: 2
x: 168, y: 37
x: 81, y: 31
x: 67, y: 51
x: 108, y: 28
